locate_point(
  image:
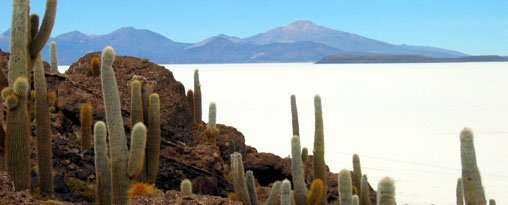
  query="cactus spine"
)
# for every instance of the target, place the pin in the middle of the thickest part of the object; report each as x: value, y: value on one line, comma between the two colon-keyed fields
x: 118, y: 143
x: 137, y: 151
x: 345, y: 187
x: 386, y: 192
x: 239, y: 178
x: 186, y: 186
x: 197, y: 98
x: 316, y: 192
x: 459, y: 192
x: 471, y: 180
x: 154, y: 138
x: 53, y: 60
x: 294, y: 116
x: 251, y: 187
x: 43, y: 130
x: 365, y: 191
x: 211, y: 130
x: 319, y: 147
x: 102, y: 170
x: 357, y: 174
x: 274, y: 193
x: 136, y: 103
x: 85, y: 117
x: 190, y: 99
x: 285, y: 193
x: 297, y: 171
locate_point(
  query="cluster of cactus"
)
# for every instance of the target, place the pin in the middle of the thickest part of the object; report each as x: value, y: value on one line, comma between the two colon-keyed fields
x: 239, y: 180
x: 211, y: 130
x: 27, y: 40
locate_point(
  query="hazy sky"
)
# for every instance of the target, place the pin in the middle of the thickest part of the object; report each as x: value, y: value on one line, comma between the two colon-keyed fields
x: 470, y: 26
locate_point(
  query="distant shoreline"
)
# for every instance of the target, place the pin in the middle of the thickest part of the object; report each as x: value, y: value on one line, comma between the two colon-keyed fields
x: 383, y: 58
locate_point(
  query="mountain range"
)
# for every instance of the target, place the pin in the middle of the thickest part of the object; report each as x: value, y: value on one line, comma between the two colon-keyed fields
x: 300, y: 41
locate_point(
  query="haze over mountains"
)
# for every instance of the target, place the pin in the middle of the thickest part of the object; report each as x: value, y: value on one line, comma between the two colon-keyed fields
x: 300, y: 41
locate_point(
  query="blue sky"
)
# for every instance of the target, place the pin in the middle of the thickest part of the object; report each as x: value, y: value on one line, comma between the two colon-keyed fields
x: 471, y: 26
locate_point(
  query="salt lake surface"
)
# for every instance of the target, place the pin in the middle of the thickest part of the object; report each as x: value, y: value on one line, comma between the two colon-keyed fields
x: 403, y: 120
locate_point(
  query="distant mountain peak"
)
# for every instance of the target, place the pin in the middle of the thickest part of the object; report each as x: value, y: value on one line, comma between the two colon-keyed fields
x: 302, y: 25
x: 222, y: 37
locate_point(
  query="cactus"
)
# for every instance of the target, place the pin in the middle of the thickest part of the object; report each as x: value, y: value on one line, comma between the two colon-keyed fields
x: 136, y: 103
x: 39, y: 40
x: 386, y: 192
x: 43, y: 130
x: 471, y: 180
x: 137, y: 150
x: 285, y: 193
x: 239, y: 178
x: 53, y: 60
x: 197, y: 99
x: 355, y: 200
x: 34, y: 25
x: 315, y: 193
x: 95, y: 68
x: 86, y: 119
x: 357, y: 174
x: 364, y: 191
x: 294, y: 116
x: 459, y: 192
x: 319, y: 147
x: 148, y: 89
x: 211, y: 130
x: 102, y: 170
x: 345, y: 187
x: 190, y: 99
x: 154, y: 138
x: 274, y: 193
x: 117, y: 140
x: 251, y: 187
x: 297, y: 171
x: 492, y: 202
x: 305, y: 155
x: 186, y: 186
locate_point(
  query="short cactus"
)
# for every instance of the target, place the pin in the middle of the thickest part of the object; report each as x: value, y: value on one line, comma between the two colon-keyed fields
x: 53, y: 58
x: 305, y: 155
x: 319, y: 147
x: 297, y: 171
x: 251, y: 187
x: 86, y: 119
x: 459, y: 192
x: 102, y: 170
x: 345, y: 187
x: 471, y: 180
x: 211, y: 130
x: 274, y: 193
x: 136, y: 102
x: 364, y: 191
x: 315, y: 193
x: 285, y: 193
x: 186, y: 186
x: 386, y: 192
x: 492, y: 202
x: 294, y: 116
x: 137, y: 150
x: 95, y: 67
x: 239, y: 179
x: 154, y: 138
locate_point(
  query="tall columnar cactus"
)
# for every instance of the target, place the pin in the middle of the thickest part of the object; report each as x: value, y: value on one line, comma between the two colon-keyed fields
x: 285, y: 193
x: 239, y: 179
x: 251, y: 187
x: 190, y: 99
x: 297, y: 171
x: 197, y: 98
x: 137, y: 151
x: 43, y: 130
x: 294, y: 116
x: 315, y: 193
x: 136, y: 102
x: 345, y: 187
x: 24, y: 50
x: 186, y: 186
x: 117, y: 139
x: 211, y: 130
x: 459, y: 192
x: 365, y: 191
x: 274, y: 193
x: 357, y: 174
x: 86, y: 119
x: 102, y: 170
x: 386, y: 192
x: 319, y: 147
x: 53, y: 59
x: 471, y: 180
x: 154, y: 138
